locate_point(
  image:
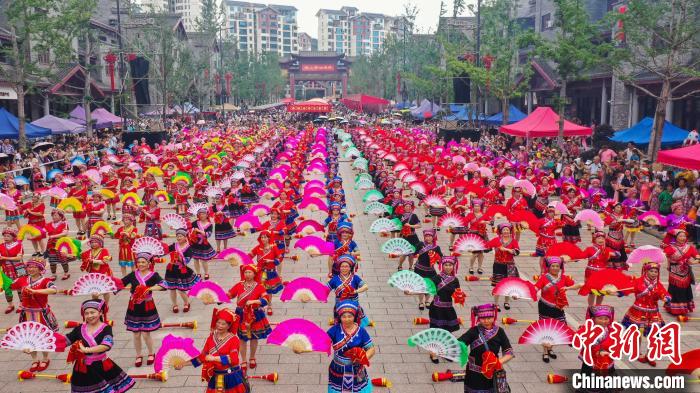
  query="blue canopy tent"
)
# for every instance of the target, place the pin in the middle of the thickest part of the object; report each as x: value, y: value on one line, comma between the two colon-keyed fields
x: 463, y: 115
x: 514, y: 115
x: 640, y: 133
x: 456, y: 108
x: 9, y: 127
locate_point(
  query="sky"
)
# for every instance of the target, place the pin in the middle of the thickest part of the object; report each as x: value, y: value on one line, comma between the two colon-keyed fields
x: 429, y: 11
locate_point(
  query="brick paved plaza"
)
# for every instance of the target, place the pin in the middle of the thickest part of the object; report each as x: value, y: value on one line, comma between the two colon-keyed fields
x: 409, y: 369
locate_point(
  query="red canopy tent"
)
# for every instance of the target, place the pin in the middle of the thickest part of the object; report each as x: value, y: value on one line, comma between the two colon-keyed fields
x: 684, y: 157
x: 314, y: 105
x: 543, y: 122
x: 365, y: 103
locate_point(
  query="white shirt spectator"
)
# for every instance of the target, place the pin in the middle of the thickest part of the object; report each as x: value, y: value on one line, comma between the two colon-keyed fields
x: 691, y: 139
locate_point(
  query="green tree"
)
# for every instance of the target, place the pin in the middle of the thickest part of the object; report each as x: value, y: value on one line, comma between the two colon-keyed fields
x: 662, y: 39
x: 576, y: 49
x: 160, y: 43
x: 500, y: 72
x: 443, y: 8
x: 458, y: 6
x: 37, y: 27
x: 81, y: 30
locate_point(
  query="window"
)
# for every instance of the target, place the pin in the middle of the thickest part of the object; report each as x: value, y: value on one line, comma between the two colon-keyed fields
x: 547, y: 22
x: 44, y: 57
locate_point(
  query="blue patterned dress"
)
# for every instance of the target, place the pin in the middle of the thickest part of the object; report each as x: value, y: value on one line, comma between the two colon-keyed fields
x: 343, y: 375
x: 340, y: 286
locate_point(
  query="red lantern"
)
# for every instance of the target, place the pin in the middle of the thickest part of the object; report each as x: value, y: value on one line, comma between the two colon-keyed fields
x: 488, y: 60
x: 620, y: 35
x: 398, y: 83
x: 111, y: 58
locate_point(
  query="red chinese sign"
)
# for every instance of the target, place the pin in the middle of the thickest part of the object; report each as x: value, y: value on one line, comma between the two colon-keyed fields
x: 318, y: 68
x: 663, y: 342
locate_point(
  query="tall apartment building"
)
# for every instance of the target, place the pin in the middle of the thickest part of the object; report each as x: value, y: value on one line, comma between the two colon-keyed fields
x: 261, y: 28
x: 190, y: 10
x: 304, y: 42
x: 355, y: 33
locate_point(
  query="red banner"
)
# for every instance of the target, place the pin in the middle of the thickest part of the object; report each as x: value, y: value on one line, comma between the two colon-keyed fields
x: 318, y: 68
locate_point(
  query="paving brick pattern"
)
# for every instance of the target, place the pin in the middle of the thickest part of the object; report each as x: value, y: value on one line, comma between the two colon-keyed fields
x: 409, y: 369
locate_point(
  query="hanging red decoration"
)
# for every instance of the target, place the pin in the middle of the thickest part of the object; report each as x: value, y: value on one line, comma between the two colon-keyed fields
x: 468, y: 57
x: 620, y: 34
x: 111, y: 58
x: 228, y: 76
x: 131, y: 57
x: 488, y: 61
x: 398, y: 83
x: 206, y: 73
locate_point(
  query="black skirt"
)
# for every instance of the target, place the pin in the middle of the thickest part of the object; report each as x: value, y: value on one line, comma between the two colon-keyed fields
x: 547, y: 311
x: 413, y: 239
x: 571, y: 233
x: 443, y: 317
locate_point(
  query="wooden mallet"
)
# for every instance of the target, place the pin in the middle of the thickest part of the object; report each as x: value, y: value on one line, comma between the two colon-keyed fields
x: 188, y: 325
x: 24, y: 375
x: 510, y: 321
x: 272, y: 377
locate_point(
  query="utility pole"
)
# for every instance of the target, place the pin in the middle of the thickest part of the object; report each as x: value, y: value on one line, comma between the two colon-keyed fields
x: 478, y: 53
x: 221, y: 72
x: 403, y: 80
x: 121, y: 65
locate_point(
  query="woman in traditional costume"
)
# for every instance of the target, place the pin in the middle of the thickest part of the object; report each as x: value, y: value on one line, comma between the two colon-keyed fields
x: 96, y: 259
x: 546, y: 235
x: 250, y: 298
x: 347, y: 285
x: 12, y: 217
x: 141, y: 314
x: 441, y: 311
x: 35, y: 216
x: 343, y: 245
x: 616, y: 220
x: 477, y: 226
x: 331, y: 222
x: 11, y: 253
x: 458, y: 205
x: 410, y: 222
x: 344, y: 374
x: 93, y: 371
x: 179, y: 278
x: 268, y: 257
x: 553, y: 286
x: 222, y: 222
x: 79, y: 191
x: 681, y: 255
x: 573, y: 201
x: 633, y: 207
x: 126, y: 235
x: 429, y: 254
x: 56, y: 229
x: 603, y: 364
x: 202, y: 251
x: 648, y: 292
x: 598, y: 255
x: 507, y: 249
x: 34, y: 290
x: 219, y: 356
x: 517, y: 202
x: 485, y: 340
x: 151, y: 215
